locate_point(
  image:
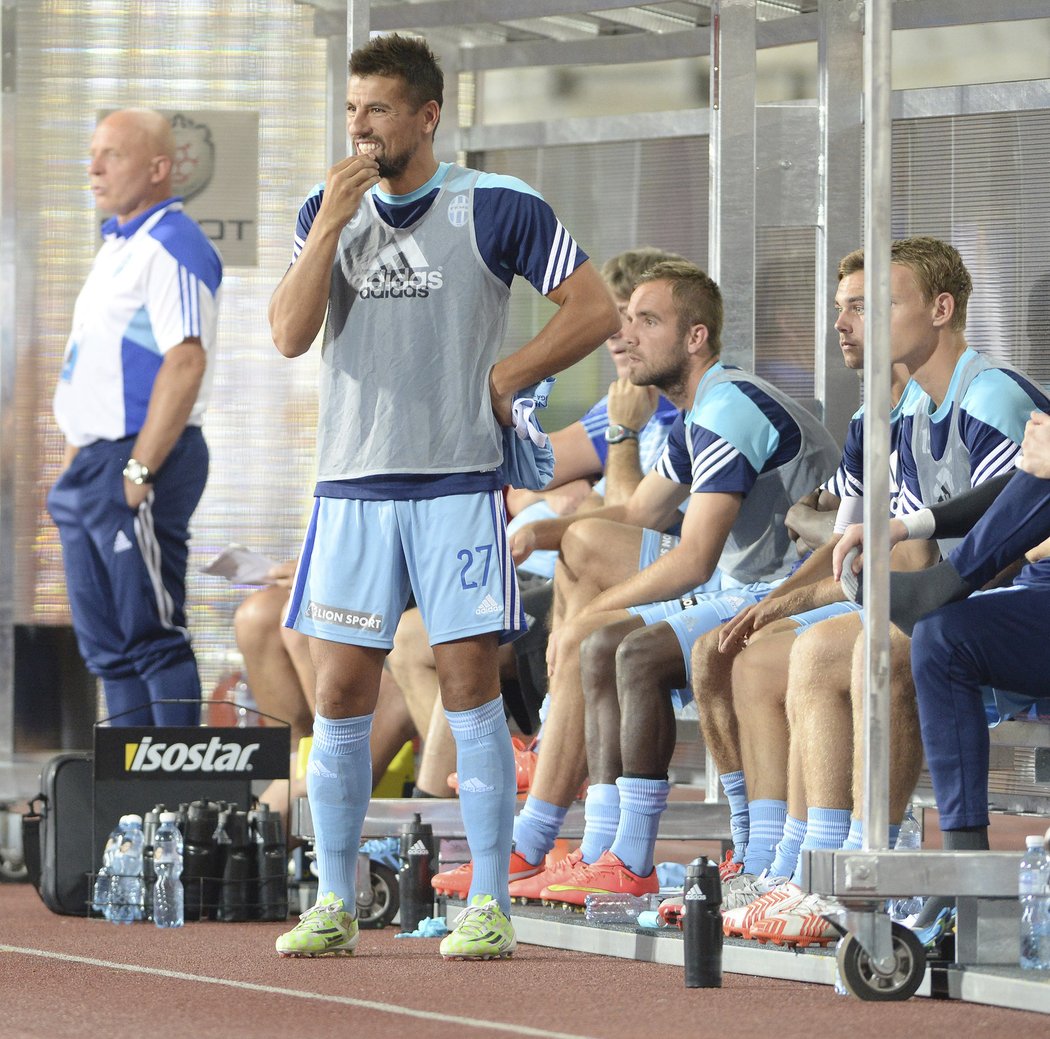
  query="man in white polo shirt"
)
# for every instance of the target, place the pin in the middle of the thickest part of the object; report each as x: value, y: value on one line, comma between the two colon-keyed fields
x: 130, y: 400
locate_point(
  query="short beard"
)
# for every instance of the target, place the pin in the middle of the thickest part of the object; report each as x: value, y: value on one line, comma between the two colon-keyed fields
x: 669, y: 380
x: 394, y: 165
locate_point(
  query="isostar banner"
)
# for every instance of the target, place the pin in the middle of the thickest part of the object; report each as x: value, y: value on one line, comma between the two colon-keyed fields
x: 191, y: 753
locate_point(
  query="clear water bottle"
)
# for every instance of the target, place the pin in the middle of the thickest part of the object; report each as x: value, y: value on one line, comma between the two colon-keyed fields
x: 126, y: 895
x: 168, y: 896
x: 908, y: 839
x: 243, y: 702
x: 608, y: 908
x: 103, y: 894
x: 1033, y: 888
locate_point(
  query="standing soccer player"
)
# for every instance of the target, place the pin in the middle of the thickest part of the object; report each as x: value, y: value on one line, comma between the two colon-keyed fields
x: 411, y: 260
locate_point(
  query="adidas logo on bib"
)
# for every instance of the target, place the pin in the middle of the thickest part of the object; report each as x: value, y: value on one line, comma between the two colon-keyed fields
x: 488, y: 605
x: 121, y: 543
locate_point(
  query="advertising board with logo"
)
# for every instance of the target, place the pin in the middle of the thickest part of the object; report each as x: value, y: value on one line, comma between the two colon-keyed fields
x: 137, y: 768
x: 216, y: 173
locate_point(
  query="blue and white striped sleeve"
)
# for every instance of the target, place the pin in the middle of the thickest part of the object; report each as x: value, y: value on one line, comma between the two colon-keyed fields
x: 182, y: 286
x: 994, y: 411
x: 304, y: 221
x: 518, y: 233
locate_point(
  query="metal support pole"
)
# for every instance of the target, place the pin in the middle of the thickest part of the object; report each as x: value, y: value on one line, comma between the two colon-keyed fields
x: 731, y: 235
x: 335, y: 52
x: 358, y: 23
x: 8, y: 359
x: 839, y: 200
x: 878, y: 142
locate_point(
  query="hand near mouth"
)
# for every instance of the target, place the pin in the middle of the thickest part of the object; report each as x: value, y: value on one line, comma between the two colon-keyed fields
x: 345, y: 186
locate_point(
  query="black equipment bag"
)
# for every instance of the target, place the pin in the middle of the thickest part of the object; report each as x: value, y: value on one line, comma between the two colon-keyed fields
x: 57, y: 834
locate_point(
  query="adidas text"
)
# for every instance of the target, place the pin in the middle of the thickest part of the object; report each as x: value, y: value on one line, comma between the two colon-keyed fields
x: 213, y: 756
x: 488, y: 605
x: 393, y: 283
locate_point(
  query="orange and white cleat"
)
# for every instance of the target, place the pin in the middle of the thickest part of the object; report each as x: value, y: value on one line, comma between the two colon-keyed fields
x: 607, y: 874
x: 803, y: 924
x: 455, y: 883
x: 672, y: 911
x: 728, y: 867
x: 554, y: 871
x: 737, y: 923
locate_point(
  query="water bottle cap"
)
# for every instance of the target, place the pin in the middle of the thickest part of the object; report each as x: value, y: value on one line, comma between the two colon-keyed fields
x: 1033, y: 840
x: 132, y: 819
x: 169, y: 817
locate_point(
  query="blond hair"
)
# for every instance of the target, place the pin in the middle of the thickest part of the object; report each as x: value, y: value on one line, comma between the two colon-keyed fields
x: 937, y: 267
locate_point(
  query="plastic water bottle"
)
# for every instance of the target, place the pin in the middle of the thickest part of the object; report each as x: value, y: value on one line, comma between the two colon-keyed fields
x: 240, y: 873
x: 610, y: 908
x: 413, y: 878
x: 103, y: 895
x: 702, y: 925
x: 1033, y: 889
x: 271, y: 865
x: 243, y: 703
x: 168, y: 896
x: 908, y: 839
x: 126, y: 886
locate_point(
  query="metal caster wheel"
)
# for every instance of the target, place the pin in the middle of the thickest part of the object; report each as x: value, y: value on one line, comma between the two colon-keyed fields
x: 864, y: 981
x: 385, y: 899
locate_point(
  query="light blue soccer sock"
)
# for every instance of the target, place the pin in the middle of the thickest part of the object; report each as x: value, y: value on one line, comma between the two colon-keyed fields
x: 826, y: 829
x: 487, y: 791
x: 536, y: 828
x: 734, y: 785
x: 339, y: 785
x: 642, y: 802
x: 766, y: 827
x: 786, y: 858
x: 855, y: 840
x: 601, y: 815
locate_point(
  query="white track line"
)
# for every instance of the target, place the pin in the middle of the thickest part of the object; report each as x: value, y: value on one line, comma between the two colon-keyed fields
x: 364, y: 1004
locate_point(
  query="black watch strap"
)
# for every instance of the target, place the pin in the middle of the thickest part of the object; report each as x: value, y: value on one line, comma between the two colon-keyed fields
x: 617, y: 434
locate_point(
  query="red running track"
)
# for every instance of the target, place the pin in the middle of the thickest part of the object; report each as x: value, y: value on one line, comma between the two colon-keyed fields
x: 71, y: 977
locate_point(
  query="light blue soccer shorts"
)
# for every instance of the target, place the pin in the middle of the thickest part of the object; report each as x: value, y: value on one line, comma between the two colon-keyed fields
x: 694, y: 615
x: 656, y: 544
x: 822, y: 613
x: 360, y: 559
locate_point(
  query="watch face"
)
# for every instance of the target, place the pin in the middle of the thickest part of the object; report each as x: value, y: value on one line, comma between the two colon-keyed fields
x: 136, y: 472
x: 617, y: 434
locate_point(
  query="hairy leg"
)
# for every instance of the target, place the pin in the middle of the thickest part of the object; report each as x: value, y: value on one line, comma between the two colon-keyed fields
x: 649, y: 665
x: 598, y: 670
x: 760, y: 678
x: 819, y: 706
x: 905, y: 738
x: 562, y: 763
x: 414, y: 668
x: 713, y: 693
x: 274, y: 682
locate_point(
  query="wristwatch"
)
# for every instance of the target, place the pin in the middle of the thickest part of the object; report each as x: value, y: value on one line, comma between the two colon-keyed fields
x: 618, y: 434
x: 137, y: 473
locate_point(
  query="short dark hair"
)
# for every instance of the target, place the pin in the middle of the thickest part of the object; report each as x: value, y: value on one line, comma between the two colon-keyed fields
x: 407, y: 58
x: 696, y: 295
x: 937, y: 267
